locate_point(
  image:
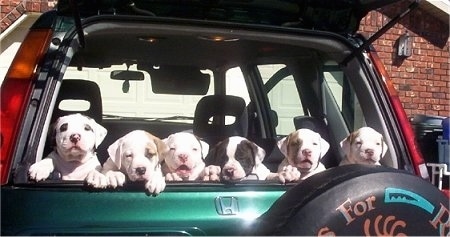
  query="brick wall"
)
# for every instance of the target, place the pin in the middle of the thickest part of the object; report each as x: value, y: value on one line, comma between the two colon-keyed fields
x: 423, y: 79
x: 11, y: 10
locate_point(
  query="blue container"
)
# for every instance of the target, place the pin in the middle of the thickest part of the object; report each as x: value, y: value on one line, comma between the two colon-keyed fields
x: 445, y: 128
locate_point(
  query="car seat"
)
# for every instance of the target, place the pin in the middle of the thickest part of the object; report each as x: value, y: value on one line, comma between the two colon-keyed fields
x: 84, y: 90
x: 211, y: 118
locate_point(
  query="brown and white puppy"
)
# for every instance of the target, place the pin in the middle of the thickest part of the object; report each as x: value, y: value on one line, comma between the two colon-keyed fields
x: 184, y: 160
x: 303, y: 150
x: 236, y: 158
x: 363, y: 146
x: 74, y: 138
x: 136, y: 156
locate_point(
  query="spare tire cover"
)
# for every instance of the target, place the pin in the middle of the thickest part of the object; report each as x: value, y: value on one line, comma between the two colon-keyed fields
x: 358, y: 200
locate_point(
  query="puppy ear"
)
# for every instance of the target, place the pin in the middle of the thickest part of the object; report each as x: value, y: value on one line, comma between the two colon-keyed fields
x: 324, y: 147
x: 345, y: 144
x: 260, y: 153
x: 384, y: 148
x: 99, y: 131
x: 52, y: 134
x: 115, y: 152
x: 205, y: 148
x: 215, y: 155
x: 282, y: 145
x: 162, y: 148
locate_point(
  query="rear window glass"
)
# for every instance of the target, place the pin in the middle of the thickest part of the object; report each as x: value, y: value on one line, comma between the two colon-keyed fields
x: 134, y: 98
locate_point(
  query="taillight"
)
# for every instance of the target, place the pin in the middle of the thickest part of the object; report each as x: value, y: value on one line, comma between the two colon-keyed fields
x: 16, y: 91
x: 408, y: 132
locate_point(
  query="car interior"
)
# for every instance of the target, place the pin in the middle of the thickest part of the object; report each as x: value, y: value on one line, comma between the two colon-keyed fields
x: 175, y: 58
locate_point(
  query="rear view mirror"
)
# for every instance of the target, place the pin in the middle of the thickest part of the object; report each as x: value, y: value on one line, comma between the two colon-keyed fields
x: 126, y: 75
x: 181, y: 80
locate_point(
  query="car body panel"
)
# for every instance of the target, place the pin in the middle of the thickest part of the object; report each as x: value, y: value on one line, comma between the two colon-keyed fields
x: 193, y: 210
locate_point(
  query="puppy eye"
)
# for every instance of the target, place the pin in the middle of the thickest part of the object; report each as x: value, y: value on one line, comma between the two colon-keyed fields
x: 194, y: 149
x: 63, y: 127
x: 87, y: 127
x: 315, y: 143
x: 358, y: 143
x: 172, y: 148
x: 150, y: 154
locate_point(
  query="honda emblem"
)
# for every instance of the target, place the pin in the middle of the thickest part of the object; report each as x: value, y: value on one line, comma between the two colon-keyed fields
x: 227, y: 205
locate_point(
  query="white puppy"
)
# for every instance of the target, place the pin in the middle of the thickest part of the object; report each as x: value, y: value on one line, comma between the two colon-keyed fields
x: 236, y: 158
x: 363, y: 146
x: 184, y: 160
x: 74, y: 138
x: 138, y: 156
x: 303, y: 150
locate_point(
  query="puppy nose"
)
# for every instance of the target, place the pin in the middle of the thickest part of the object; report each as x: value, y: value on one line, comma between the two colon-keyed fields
x: 306, y: 152
x: 75, y: 138
x: 229, y: 172
x: 140, y: 170
x: 369, y: 151
x: 183, y: 157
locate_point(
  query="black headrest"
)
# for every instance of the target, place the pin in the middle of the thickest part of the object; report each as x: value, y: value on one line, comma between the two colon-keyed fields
x: 218, y: 107
x: 313, y: 123
x: 77, y: 89
x: 318, y: 125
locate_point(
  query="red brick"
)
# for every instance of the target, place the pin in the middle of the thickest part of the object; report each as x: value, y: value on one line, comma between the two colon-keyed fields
x: 426, y: 83
x: 440, y: 83
x: 440, y: 72
x: 425, y: 94
x: 410, y: 106
x: 440, y: 59
x: 7, y: 9
x: 420, y: 76
x: 434, y: 89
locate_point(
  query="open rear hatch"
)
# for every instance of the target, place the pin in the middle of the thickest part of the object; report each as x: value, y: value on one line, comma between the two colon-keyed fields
x: 338, y: 16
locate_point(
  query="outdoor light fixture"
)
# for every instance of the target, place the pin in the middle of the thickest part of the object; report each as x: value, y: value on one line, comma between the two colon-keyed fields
x: 404, y: 45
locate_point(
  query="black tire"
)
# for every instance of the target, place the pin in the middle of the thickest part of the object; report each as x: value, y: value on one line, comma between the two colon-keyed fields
x: 358, y: 200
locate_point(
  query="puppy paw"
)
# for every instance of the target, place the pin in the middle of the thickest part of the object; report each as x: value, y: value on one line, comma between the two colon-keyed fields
x: 173, y: 177
x: 115, y: 178
x: 211, y: 173
x: 289, y: 174
x: 276, y: 177
x: 41, y: 170
x: 96, y: 179
x: 156, y: 185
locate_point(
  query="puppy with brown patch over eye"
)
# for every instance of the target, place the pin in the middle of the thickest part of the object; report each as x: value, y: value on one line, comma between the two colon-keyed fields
x: 303, y: 150
x: 136, y: 156
x: 236, y: 158
x: 75, y: 138
x: 184, y: 160
x: 363, y: 146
